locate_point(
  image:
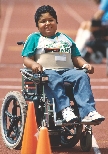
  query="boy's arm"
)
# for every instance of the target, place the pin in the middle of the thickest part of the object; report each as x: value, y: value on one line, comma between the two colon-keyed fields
x: 79, y: 63
x: 30, y: 63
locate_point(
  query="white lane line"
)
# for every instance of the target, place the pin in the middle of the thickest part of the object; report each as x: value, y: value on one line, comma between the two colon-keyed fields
x: 101, y: 66
x: 10, y: 87
x: 71, y: 11
x: 10, y: 79
x: 93, y: 87
x: 95, y: 145
x: 19, y: 79
x: 11, y: 65
x: 101, y: 100
x: 21, y: 65
x: 99, y: 80
x: 6, y: 23
x: 99, y: 87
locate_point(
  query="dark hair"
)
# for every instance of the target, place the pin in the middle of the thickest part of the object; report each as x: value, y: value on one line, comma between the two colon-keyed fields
x: 45, y: 9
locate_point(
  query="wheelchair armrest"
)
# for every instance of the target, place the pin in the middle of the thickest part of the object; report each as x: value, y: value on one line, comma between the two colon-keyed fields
x: 20, y: 42
x: 36, y: 78
x: 84, y: 69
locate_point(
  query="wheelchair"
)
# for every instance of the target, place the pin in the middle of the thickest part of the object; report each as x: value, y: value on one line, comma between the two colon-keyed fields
x: 98, y: 44
x: 14, y: 111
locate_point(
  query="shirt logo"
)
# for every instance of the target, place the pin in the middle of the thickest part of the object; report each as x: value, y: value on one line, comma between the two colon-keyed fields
x: 64, y: 46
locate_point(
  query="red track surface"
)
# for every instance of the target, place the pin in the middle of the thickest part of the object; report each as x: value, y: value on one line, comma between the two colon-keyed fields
x: 16, y: 23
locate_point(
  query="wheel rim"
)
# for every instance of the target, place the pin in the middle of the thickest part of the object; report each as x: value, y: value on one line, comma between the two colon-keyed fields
x: 12, y: 122
x: 68, y: 138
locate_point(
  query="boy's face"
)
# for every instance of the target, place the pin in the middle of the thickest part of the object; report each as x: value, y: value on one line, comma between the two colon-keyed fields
x: 47, y: 25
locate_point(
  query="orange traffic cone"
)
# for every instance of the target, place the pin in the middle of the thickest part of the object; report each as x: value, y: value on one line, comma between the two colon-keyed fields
x: 43, y: 146
x: 29, y: 143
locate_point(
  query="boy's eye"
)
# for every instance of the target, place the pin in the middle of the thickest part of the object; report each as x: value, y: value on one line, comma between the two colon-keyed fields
x: 50, y: 20
x: 44, y: 21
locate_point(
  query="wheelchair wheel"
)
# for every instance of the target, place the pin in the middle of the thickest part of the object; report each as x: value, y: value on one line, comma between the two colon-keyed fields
x: 13, y: 115
x: 69, y: 140
x: 86, y: 141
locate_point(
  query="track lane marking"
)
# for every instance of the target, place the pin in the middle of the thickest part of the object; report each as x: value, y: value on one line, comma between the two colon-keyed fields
x: 10, y: 87
x: 93, y: 87
x: 99, y: 87
x: 15, y: 65
x: 6, y: 23
x: 92, y: 80
x: 95, y: 145
x: 71, y: 12
x: 10, y: 79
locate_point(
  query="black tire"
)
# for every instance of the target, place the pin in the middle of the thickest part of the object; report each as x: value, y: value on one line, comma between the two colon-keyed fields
x: 69, y: 140
x: 86, y: 141
x: 96, y: 57
x: 13, y: 115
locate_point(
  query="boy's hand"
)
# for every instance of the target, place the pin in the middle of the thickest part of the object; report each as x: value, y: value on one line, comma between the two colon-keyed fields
x: 37, y: 68
x: 90, y: 68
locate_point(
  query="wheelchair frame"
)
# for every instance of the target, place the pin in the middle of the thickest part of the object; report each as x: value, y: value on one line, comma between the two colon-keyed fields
x: 14, y: 110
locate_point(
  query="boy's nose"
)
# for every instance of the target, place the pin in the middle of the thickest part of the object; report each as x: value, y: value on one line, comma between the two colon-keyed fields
x: 47, y: 22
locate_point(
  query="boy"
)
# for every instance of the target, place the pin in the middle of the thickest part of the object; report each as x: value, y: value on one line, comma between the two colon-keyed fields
x: 59, y: 67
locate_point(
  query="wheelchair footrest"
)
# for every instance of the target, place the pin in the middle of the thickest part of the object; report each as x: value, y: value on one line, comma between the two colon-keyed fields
x: 61, y: 123
x: 58, y: 123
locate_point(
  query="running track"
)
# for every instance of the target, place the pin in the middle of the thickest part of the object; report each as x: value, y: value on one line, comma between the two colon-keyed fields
x: 16, y: 23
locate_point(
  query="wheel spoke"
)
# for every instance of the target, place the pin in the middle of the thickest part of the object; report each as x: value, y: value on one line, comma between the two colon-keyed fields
x: 8, y: 114
x: 10, y: 129
x: 14, y: 109
x: 13, y: 125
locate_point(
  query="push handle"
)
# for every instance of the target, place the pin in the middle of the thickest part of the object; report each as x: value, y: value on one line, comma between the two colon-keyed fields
x: 20, y: 42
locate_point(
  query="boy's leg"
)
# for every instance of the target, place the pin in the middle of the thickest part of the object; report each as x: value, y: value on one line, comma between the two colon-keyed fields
x: 81, y: 90
x: 82, y: 94
x: 55, y: 89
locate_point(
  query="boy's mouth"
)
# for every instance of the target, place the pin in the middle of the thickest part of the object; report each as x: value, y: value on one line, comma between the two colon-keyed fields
x: 48, y: 28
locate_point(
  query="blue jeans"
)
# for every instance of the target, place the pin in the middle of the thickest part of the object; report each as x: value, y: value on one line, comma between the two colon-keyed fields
x: 81, y: 90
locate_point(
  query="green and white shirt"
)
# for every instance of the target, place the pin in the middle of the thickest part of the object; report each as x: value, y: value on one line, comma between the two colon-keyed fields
x: 36, y: 43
